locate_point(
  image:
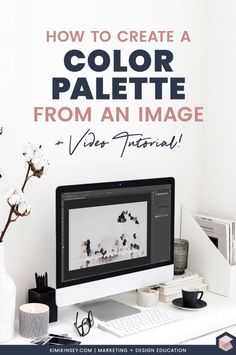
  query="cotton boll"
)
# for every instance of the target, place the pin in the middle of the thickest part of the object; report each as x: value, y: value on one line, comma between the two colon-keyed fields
x: 37, y: 162
x: 28, y: 208
x: 20, y: 196
x: 12, y: 200
x: 31, y: 151
x: 28, y: 152
x: 16, y: 198
x: 38, y: 153
x: 45, y: 164
x: 24, y: 208
x: 39, y: 166
x: 9, y: 192
x: 36, y: 146
x: 34, y: 156
x: 27, y: 148
x: 27, y: 157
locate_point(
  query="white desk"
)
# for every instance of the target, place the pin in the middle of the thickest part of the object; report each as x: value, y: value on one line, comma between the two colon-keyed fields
x: 216, y: 317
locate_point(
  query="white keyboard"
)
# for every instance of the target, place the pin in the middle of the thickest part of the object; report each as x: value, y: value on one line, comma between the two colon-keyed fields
x: 139, y: 322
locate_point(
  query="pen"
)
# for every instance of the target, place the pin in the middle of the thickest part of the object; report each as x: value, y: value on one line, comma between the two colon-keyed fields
x: 36, y: 280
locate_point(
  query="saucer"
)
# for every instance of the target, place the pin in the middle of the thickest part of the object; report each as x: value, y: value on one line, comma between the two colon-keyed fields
x: 178, y: 302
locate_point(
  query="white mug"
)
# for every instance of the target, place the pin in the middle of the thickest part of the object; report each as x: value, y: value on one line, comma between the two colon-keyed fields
x: 148, y: 297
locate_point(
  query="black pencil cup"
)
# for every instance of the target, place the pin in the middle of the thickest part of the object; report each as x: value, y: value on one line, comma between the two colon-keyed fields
x: 46, y: 297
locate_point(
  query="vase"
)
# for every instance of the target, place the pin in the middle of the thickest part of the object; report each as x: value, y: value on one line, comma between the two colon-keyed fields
x: 181, y: 247
x: 7, y: 300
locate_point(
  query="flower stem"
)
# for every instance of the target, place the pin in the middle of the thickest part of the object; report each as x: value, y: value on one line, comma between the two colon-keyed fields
x: 9, y: 219
x: 26, y: 178
x: 7, y: 224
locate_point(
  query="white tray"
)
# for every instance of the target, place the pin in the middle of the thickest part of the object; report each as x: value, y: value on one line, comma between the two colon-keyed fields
x: 206, y: 259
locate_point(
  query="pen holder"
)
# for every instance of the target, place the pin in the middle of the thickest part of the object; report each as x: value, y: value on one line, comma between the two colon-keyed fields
x: 46, y: 297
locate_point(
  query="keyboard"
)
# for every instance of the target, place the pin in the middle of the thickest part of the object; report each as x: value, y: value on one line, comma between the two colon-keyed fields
x: 138, y: 322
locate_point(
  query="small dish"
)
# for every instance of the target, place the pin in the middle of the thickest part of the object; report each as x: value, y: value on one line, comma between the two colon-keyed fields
x: 178, y: 302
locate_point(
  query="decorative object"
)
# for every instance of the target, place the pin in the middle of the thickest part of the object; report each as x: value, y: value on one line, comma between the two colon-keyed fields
x: 148, y: 297
x: 7, y: 300
x: 44, y: 294
x: 18, y: 207
x: 33, y: 320
x: 181, y: 247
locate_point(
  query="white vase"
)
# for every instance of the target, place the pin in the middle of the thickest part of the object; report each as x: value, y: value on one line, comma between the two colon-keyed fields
x: 7, y: 300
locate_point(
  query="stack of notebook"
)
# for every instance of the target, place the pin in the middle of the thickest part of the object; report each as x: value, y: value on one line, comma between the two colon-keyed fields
x: 173, y: 289
x: 222, y: 233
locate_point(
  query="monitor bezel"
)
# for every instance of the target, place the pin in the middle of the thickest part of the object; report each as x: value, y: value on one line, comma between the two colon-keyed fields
x: 101, y: 186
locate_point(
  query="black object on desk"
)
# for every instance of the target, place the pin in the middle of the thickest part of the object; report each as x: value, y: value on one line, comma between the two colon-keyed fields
x: 179, y: 303
x: 86, y: 324
x: 44, y: 294
x: 55, y: 339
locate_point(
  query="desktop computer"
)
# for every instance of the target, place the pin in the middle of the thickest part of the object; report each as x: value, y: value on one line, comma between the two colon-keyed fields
x: 113, y: 237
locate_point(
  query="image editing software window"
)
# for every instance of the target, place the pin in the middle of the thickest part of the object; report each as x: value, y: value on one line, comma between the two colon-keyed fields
x: 114, y: 231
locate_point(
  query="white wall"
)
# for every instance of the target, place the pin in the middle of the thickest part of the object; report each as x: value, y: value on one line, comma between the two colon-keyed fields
x: 218, y: 192
x: 28, y: 63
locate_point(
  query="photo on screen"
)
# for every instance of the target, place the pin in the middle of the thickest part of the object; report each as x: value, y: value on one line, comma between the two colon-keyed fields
x: 101, y: 235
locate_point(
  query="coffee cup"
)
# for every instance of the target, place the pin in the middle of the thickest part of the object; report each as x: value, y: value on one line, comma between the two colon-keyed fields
x: 148, y: 297
x: 191, y: 297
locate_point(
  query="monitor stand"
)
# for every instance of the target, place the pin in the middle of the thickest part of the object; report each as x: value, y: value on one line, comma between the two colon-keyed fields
x: 106, y: 310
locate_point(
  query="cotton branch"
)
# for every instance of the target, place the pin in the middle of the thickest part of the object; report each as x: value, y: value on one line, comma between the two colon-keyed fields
x: 18, y: 206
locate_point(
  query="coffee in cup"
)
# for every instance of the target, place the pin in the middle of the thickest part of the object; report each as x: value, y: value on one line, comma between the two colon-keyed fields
x: 191, y: 297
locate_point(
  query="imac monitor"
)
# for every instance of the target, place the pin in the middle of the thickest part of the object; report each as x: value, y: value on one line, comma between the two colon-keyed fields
x: 113, y: 237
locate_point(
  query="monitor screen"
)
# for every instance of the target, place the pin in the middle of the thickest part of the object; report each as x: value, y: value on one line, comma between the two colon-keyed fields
x: 108, y: 229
